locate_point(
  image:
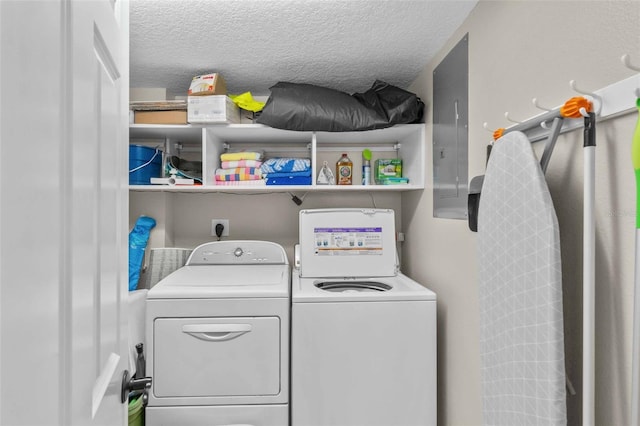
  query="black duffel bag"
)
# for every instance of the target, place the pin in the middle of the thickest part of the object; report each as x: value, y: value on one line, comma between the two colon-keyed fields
x: 306, y: 107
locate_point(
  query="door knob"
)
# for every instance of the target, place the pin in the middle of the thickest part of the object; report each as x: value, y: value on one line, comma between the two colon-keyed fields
x: 131, y: 384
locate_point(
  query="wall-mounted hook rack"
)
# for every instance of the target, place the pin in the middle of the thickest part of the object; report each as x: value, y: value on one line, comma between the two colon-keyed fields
x: 615, y: 100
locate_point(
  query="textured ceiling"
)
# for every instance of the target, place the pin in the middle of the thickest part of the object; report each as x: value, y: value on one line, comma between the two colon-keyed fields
x: 344, y: 45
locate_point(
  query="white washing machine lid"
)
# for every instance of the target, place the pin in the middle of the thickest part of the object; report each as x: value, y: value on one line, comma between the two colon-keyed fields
x: 228, y: 269
x: 373, y: 289
x: 347, y: 243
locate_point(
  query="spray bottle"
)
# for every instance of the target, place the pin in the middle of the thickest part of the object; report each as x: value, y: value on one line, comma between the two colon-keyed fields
x: 366, y: 167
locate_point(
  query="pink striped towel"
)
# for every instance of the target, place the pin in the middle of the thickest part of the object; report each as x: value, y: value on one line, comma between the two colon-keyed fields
x: 240, y: 173
x: 234, y: 164
x: 260, y: 182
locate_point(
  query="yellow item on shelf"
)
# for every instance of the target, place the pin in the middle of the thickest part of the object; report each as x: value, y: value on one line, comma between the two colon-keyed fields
x: 244, y: 155
x: 246, y: 101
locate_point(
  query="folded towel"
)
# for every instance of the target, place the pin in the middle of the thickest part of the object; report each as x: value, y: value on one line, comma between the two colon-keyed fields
x: 287, y: 174
x: 240, y: 173
x: 284, y: 164
x: 260, y: 182
x: 292, y: 180
x: 240, y: 163
x: 243, y: 155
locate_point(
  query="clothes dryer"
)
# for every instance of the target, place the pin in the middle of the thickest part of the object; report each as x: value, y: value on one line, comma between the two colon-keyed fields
x: 363, y: 334
x: 218, y: 338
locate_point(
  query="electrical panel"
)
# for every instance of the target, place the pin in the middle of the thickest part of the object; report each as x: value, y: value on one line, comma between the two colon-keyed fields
x: 451, y: 133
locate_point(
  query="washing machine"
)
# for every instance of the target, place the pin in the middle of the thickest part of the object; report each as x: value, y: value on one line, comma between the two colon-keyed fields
x: 217, y: 333
x: 363, y: 334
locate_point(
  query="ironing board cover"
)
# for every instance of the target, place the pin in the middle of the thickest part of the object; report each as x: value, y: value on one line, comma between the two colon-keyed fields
x: 520, y: 287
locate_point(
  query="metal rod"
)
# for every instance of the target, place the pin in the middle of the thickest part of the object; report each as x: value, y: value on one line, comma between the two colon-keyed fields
x: 381, y: 148
x: 588, y: 275
x: 635, y: 353
x: 551, y: 143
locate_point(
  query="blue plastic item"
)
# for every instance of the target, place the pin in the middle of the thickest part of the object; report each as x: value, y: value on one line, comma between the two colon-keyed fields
x: 144, y: 163
x: 138, y: 238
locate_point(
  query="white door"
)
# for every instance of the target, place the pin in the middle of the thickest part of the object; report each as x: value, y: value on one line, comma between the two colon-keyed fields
x: 63, y: 211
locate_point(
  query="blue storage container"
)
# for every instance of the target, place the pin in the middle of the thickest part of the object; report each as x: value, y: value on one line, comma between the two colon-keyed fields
x: 144, y: 163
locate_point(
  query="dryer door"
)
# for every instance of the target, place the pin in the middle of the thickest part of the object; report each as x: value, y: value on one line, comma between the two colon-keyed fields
x: 209, y: 357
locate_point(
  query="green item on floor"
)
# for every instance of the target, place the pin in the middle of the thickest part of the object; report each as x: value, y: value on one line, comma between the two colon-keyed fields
x: 136, y: 411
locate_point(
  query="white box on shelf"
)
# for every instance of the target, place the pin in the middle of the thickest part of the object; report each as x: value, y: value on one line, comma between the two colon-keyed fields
x: 212, y: 109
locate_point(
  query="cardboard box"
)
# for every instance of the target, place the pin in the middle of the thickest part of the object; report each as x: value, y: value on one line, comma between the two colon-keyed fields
x: 160, y: 117
x: 249, y: 117
x: 387, y: 168
x: 207, y: 85
x: 212, y: 109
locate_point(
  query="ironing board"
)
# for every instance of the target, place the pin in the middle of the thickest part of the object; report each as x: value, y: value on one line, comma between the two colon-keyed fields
x: 520, y: 288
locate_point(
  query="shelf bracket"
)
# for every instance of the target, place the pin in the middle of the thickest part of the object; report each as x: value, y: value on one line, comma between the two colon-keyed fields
x: 177, y: 146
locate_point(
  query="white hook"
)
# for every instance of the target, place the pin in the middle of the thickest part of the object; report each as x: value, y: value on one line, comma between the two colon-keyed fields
x: 485, y: 125
x: 575, y: 88
x: 506, y: 115
x: 626, y: 60
x: 593, y: 96
x: 543, y: 124
x: 535, y: 103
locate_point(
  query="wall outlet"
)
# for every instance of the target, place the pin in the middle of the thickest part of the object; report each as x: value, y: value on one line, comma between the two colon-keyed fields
x: 224, y: 222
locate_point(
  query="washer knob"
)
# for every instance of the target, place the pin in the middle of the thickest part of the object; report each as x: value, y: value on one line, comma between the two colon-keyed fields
x: 238, y: 252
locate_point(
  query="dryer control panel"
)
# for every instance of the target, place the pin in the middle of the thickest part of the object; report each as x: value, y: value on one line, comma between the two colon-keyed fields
x: 238, y: 252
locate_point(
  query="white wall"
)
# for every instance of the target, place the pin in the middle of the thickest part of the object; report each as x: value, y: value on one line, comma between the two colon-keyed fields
x: 184, y: 219
x: 519, y: 50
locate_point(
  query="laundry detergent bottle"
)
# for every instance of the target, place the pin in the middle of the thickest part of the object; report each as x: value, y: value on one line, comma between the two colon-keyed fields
x: 344, y: 170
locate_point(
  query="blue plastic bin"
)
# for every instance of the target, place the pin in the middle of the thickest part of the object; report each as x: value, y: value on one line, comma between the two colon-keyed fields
x: 144, y: 163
